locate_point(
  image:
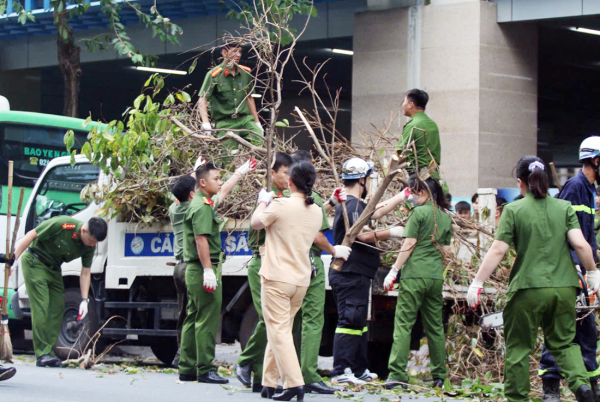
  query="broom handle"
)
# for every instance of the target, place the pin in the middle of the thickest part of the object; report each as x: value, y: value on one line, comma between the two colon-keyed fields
x: 7, y: 266
x: 17, y: 223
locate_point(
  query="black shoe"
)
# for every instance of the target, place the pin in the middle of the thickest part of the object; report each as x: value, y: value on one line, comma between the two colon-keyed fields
x: 7, y: 372
x: 48, y: 361
x: 584, y: 394
x: 175, y: 362
x: 595, y: 391
x: 212, y: 378
x: 244, y: 374
x: 267, y: 392
x: 289, y: 393
x: 187, y: 377
x: 319, y: 388
x: 438, y: 383
x: 551, y: 389
x: 390, y: 383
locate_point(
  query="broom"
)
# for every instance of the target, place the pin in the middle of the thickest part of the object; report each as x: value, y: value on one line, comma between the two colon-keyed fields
x: 6, y: 351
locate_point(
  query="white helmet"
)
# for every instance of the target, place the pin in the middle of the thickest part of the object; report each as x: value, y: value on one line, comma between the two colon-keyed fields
x: 589, y: 148
x: 356, y: 168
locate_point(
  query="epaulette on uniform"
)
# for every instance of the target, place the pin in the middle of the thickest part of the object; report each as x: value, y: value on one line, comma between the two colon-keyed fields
x: 247, y: 69
x: 208, y: 201
x: 68, y: 226
x: 216, y: 72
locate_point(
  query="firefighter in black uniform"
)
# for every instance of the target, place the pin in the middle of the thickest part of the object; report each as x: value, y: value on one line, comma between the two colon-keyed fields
x: 580, y: 191
x: 351, y: 285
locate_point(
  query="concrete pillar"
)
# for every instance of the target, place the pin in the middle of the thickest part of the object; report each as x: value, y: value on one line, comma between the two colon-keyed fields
x: 481, y: 78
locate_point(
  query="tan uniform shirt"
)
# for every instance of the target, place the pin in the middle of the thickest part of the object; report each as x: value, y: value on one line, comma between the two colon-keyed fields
x: 291, y: 230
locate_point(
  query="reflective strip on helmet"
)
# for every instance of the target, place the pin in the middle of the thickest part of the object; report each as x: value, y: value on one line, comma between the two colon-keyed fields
x: 583, y: 208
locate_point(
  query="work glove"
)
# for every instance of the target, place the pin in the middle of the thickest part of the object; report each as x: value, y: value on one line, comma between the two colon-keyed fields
x: 404, y: 194
x: 265, y: 196
x: 390, y: 279
x: 397, y: 231
x: 83, y: 310
x: 210, y: 280
x: 342, y: 252
x: 260, y: 128
x: 4, y: 259
x: 249, y: 166
x: 593, y: 280
x: 339, y: 195
x: 473, y: 293
x: 206, y: 126
x: 199, y: 162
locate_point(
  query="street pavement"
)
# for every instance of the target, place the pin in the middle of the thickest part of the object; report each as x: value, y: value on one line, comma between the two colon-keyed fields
x: 128, y: 377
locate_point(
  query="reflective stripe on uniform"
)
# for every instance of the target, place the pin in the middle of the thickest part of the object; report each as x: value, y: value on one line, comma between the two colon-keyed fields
x: 349, y: 331
x: 583, y: 208
x: 594, y: 373
x: 542, y: 372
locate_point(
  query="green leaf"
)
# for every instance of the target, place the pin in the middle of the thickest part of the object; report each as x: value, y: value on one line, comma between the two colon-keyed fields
x: 280, y: 124
x: 447, y: 385
x: 193, y: 66
x: 138, y: 101
x: 69, y: 140
x: 184, y: 97
x: 287, y: 122
x: 149, y: 80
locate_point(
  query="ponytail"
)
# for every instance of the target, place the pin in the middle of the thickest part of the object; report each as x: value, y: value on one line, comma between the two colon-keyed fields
x: 437, y: 193
x: 531, y: 171
x: 303, y: 175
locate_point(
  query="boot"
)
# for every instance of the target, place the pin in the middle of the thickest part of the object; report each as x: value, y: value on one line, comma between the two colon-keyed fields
x: 595, y: 391
x: 584, y: 394
x: 551, y: 389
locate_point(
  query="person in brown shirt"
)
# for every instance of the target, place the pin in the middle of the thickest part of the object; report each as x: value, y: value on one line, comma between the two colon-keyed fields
x: 291, y: 227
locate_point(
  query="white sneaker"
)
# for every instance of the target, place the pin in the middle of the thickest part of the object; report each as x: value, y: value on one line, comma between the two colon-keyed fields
x: 368, y: 376
x: 347, y: 378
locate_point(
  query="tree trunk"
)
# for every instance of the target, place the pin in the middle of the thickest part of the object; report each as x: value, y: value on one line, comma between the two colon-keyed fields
x: 70, y: 67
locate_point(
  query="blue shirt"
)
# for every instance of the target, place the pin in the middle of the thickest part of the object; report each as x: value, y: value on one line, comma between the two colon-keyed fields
x: 580, y: 192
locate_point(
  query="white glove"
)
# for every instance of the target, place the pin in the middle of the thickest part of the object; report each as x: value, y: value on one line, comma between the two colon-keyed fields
x: 593, y: 280
x: 404, y: 194
x: 390, y: 279
x: 265, y: 196
x: 339, y: 195
x: 473, y: 293
x: 397, y: 231
x: 249, y: 166
x: 199, y: 162
x: 260, y: 127
x: 210, y: 280
x: 206, y: 126
x: 83, y: 310
x: 342, y: 252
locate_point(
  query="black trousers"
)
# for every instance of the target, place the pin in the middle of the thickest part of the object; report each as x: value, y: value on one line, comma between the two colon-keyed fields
x: 182, y: 298
x: 351, y: 294
x: 586, y: 336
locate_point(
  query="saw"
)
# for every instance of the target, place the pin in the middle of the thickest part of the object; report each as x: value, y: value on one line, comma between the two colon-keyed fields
x: 495, y: 320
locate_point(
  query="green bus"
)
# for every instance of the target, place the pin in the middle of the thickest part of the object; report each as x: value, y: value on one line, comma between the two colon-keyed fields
x: 31, y: 140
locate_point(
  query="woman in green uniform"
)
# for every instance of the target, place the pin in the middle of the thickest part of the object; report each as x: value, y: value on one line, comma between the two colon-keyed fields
x: 428, y: 231
x: 543, y: 281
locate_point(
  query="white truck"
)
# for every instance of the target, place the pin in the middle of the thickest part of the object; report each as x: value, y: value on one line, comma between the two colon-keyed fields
x: 131, y: 279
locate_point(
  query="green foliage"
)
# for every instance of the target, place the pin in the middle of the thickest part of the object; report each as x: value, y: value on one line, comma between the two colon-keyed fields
x: 118, y: 39
x: 142, y: 146
x: 279, y: 12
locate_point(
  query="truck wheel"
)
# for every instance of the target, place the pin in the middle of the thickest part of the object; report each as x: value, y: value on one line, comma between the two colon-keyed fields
x: 248, y: 324
x: 165, y: 349
x: 74, y: 336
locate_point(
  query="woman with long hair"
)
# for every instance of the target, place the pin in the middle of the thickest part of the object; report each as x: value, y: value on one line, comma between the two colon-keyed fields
x: 543, y: 281
x: 428, y: 231
x: 291, y: 227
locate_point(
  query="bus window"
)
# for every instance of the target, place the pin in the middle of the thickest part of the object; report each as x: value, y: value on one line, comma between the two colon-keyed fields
x: 58, y: 194
x: 31, y: 147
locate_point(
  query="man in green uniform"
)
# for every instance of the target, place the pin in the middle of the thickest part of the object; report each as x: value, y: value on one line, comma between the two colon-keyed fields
x: 6, y: 372
x: 57, y: 240
x: 251, y: 359
x: 203, y: 255
x: 543, y: 282
x: 227, y: 91
x: 428, y: 232
x: 421, y: 129
x: 184, y: 190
